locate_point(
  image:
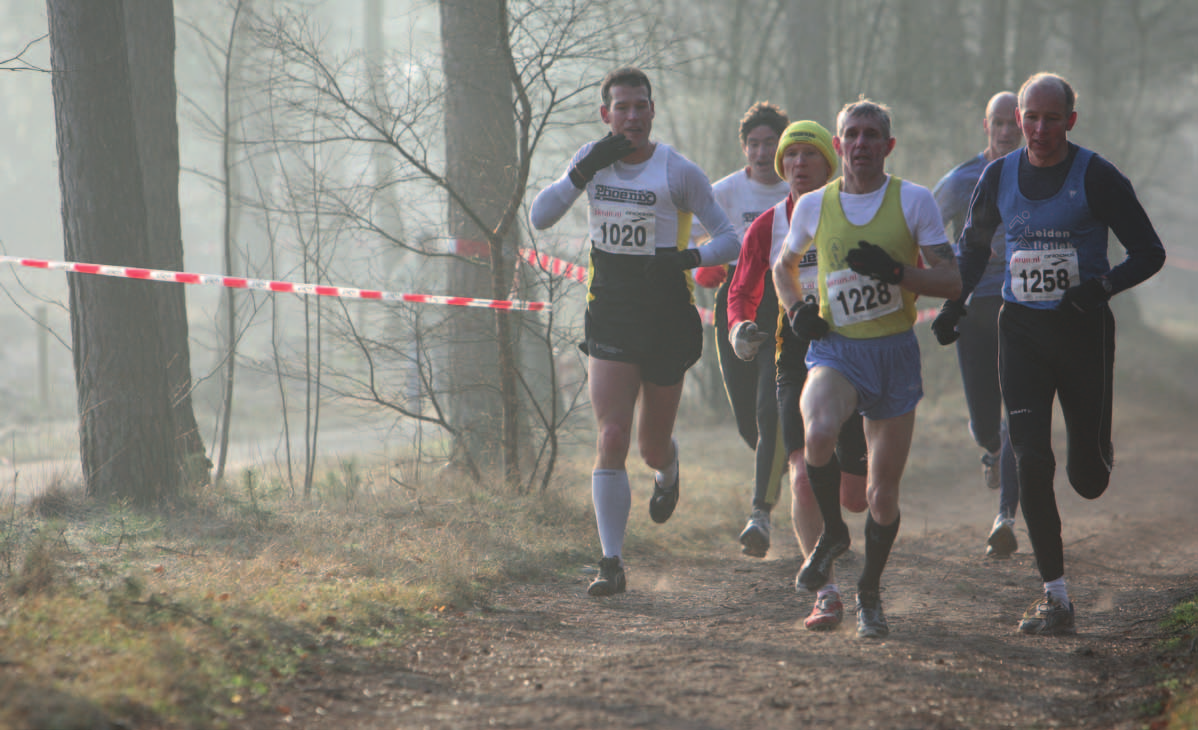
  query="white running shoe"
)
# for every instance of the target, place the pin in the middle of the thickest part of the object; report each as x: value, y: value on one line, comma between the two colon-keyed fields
x: 755, y: 538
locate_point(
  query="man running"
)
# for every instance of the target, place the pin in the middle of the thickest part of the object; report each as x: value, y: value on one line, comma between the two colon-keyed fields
x: 1055, y: 203
x: 805, y: 159
x: 642, y: 329
x: 744, y: 195
x: 977, y: 346
x: 869, y: 229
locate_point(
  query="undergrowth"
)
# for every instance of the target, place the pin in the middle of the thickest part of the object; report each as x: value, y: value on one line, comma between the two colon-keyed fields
x: 190, y: 619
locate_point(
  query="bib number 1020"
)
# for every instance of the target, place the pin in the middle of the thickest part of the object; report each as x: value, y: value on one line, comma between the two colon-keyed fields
x: 615, y: 234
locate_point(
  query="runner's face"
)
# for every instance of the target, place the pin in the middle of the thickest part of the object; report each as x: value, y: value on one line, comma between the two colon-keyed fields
x: 805, y: 168
x: 1045, y: 122
x: 760, y: 145
x: 1002, y: 128
x: 630, y: 114
x: 863, y: 147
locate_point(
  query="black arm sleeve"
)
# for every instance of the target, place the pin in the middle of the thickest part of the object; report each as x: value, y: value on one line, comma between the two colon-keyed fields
x: 983, y: 220
x: 1114, y: 202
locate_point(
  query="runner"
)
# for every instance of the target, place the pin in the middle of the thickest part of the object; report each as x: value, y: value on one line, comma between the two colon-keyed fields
x: 642, y: 329
x: 868, y: 229
x: 1055, y: 202
x: 977, y: 348
x: 805, y: 159
x: 744, y: 195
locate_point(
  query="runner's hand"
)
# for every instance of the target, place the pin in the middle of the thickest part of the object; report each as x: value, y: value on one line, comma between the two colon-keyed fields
x: 806, y: 322
x: 945, y: 324
x: 602, y: 154
x: 747, y: 339
x: 670, y: 261
x: 874, y: 262
x: 1088, y: 296
x: 709, y: 277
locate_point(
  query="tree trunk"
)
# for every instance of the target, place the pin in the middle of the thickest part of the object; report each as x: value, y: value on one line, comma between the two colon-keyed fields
x: 992, y: 55
x: 150, y: 40
x: 127, y: 432
x: 481, y: 171
x: 811, y: 96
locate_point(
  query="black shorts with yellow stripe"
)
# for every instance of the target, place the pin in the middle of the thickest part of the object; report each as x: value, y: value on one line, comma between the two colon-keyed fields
x: 650, y: 323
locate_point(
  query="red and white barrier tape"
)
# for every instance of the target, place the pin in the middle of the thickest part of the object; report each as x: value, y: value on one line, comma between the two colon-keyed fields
x: 567, y: 270
x: 287, y: 287
x: 557, y: 267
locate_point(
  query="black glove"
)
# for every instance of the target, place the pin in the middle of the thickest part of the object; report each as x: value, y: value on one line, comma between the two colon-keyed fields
x: 945, y: 324
x: 874, y: 262
x: 1086, y: 297
x: 671, y: 261
x: 806, y: 322
x: 602, y: 154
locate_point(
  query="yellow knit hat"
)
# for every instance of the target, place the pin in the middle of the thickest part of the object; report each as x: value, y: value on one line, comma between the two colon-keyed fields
x: 812, y: 133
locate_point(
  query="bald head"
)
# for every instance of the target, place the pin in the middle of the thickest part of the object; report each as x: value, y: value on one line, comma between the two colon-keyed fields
x: 1045, y: 81
x: 1002, y: 125
x: 1001, y: 102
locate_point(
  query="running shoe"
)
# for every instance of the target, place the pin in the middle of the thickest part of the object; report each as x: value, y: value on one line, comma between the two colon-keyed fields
x: 1002, y: 543
x: 755, y: 538
x: 990, y: 469
x: 871, y: 621
x: 1047, y: 617
x: 826, y: 614
x: 817, y: 568
x: 665, y: 497
x: 610, y: 580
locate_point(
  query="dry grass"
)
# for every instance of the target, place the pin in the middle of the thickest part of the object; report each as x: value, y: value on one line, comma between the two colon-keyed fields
x: 186, y: 619
x: 182, y: 620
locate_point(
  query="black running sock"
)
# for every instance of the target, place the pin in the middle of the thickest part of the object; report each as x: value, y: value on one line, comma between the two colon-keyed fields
x: 878, y: 541
x: 825, y: 483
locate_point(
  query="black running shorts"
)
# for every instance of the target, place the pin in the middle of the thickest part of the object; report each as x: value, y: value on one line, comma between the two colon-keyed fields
x: 665, y: 344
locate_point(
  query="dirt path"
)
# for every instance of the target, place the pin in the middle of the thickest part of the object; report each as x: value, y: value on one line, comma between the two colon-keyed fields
x: 719, y: 643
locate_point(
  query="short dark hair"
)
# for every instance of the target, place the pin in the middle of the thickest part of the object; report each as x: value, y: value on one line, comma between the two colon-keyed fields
x: 624, y: 76
x: 1066, y: 89
x: 763, y: 113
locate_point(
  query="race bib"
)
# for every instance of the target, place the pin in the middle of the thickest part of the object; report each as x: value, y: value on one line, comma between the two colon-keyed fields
x: 1043, y: 276
x: 622, y: 229
x: 809, y: 277
x: 854, y: 298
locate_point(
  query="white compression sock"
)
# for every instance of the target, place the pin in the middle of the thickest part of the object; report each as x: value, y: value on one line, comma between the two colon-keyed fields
x: 612, y: 496
x: 670, y: 473
x: 1056, y: 589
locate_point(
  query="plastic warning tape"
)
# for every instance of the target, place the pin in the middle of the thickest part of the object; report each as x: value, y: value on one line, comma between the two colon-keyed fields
x: 565, y: 269
x: 555, y: 266
x: 574, y: 272
x: 285, y: 287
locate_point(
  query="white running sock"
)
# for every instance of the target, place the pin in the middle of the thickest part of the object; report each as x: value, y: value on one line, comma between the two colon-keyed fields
x: 612, y: 496
x: 1056, y: 589
x: 828, y: 588
x: 670, y: 473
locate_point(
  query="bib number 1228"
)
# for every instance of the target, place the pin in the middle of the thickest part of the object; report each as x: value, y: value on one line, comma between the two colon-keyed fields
x: 862, y: 299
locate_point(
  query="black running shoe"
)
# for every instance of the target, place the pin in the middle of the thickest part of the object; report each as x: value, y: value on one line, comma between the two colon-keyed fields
x: 610, y: 580
x: 665, y: 497
x: 871, y: 621
x: 1048, y: 617
x: 817, y: 568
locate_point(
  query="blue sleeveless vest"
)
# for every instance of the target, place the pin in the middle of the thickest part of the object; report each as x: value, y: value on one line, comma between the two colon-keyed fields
x: 1052, y: 244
